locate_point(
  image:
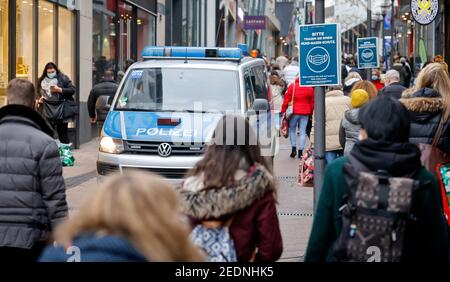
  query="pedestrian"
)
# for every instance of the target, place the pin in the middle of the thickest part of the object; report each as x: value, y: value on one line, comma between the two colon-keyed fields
x: 232, y: 192
x: 56, y: 90
x: 133, y: 217
x: 376, y: 79
x: 429, y: 105
x: 398, y: 66
x: 408, y: 72
x: 393, y: 87
x: 100, y: 98
x: 350, y: 126
x: 349, y: 82
x: 367, y: 86
x: 300, y: 101
x: 336, y: 104
x: 277, y: 87
x: 32, y: 190
x: 383, y: 150
x: 291, y: 71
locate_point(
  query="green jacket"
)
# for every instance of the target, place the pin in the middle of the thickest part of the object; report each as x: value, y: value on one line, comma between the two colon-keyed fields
x: 426, y: 240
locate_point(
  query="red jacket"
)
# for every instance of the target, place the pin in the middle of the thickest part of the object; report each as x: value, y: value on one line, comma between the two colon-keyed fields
x: 378, y: 84
x: 303, y: 99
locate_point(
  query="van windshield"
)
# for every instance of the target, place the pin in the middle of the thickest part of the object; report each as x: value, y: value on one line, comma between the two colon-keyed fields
x: 177, y: 89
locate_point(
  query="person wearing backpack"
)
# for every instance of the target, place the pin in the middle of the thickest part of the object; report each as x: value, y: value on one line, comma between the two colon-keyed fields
x: 379, y: 203
x: 230, y: 198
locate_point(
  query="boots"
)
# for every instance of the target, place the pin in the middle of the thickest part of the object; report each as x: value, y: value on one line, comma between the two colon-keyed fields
x: 300, y: 154
x: 294, y: 152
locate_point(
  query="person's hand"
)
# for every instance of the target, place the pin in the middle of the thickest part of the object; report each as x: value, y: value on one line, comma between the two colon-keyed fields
x: 93, y: 120
x: 56, y: 89
x: 41, y: 100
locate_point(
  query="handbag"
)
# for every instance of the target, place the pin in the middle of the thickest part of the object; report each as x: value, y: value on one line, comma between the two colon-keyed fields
x: 284, y: 127
x: 53, y: 110
x: 432, y: 156
x: 306, y: 168
x: 70, y: 109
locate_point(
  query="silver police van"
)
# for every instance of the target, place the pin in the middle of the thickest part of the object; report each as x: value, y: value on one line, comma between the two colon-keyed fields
x: 169, y: 104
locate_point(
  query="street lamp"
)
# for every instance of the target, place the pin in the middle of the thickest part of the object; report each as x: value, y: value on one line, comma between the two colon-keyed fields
x: 384, y: 8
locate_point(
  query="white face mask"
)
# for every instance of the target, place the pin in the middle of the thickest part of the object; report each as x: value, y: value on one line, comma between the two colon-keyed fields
x: 51, y: 75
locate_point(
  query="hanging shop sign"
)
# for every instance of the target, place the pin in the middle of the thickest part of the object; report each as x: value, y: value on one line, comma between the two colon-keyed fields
x: 424, y: 12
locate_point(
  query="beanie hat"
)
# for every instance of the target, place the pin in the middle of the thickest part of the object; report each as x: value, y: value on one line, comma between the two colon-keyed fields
x: 359, y: 98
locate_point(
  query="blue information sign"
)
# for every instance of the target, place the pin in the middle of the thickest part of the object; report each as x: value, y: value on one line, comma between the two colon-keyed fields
x: 320, y: 55
x: 368, y: 53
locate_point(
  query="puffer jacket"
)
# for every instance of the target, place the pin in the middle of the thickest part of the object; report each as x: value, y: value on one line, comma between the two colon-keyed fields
x: 336, y: 105
x: 106, y: 88
x: 32, y: 189
x: 349, y: 131
x: 255, y: 227
x: 303, y: 99
x: 426, y: 108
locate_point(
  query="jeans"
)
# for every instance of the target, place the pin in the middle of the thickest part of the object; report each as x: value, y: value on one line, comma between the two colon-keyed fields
x: 332, y: 155
x: 294, y: 122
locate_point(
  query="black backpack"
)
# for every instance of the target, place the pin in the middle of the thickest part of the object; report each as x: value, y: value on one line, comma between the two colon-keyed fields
x: 376, y: 212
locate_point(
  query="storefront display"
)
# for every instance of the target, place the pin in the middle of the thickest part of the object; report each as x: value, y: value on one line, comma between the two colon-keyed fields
x: 3, y: 50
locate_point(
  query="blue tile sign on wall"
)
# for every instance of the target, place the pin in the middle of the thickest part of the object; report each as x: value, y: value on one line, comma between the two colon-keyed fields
x: 320, y: 55
x: 368, y: 53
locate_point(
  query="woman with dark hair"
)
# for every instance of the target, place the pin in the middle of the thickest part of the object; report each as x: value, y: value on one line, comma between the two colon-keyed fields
x: 231, y: 187
x: 384, y: 146
x: 55, y: 89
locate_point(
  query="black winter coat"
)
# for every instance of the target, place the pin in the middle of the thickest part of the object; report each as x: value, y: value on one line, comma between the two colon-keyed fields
x: 32, y: 189
x: 104, y: 88
x: 426, y: 108
x: 394, y: 90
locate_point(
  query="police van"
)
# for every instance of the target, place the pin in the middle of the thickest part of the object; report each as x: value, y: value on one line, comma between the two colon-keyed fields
x: 168, y: 105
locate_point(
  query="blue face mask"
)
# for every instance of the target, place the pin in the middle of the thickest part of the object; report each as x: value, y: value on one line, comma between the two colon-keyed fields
x: 51, y: 75
x: 374, y: 77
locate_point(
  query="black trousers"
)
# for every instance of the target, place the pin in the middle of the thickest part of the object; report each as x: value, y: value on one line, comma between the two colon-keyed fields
x: 8, y: 254
x: 62, y: 128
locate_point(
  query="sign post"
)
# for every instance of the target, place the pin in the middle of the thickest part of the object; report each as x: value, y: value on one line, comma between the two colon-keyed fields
x: 368, y: 53
x: 320, y: 66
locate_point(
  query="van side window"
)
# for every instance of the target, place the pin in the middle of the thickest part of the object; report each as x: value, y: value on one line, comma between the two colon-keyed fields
x: 249, y: 92
x: 260, y: 83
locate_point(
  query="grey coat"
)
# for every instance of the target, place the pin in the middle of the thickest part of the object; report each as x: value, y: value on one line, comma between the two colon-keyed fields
x: 32, y: 189
x: 349, y: 131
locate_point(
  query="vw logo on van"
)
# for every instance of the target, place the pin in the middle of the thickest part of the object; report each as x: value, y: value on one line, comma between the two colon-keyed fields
x: 164, y: 150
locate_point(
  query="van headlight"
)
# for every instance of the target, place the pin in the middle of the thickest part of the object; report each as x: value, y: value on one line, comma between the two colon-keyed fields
x: 111, y: 145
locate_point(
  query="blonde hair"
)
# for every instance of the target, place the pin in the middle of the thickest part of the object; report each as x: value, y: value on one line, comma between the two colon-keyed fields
x: 140, y: 208
x: 352, y: 75
x: 436, y: 77
x: 368, y: 86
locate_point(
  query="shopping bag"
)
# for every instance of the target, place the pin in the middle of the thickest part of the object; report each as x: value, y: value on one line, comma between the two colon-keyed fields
x: 306, y: 168
x: 284, y: 127
x: 66, y: 155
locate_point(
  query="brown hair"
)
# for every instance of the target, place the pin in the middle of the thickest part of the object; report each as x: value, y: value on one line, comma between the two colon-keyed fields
x: 21, y: 92
x: 368, y: 86
x: 435, y: 76
x: 141, y: 208
x: 223, y: 157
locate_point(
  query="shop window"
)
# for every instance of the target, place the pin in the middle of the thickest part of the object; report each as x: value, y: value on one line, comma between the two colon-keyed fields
x: 25, y: 40
x: 66, y: 42
x: 125, y: 20
x: 3, y: 50
x: 146, y: 25
x: 46, y: 35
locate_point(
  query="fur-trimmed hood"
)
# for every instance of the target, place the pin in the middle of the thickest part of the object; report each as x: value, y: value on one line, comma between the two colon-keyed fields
x: 425, y: 100
x: 216, y: 203
x: 25, y: 115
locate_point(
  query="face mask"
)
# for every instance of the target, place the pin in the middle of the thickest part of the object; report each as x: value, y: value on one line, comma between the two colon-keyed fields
x: 51, y: 75
x: 374, y: 77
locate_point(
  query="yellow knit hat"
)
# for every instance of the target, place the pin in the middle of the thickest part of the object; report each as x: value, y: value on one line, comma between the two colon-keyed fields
x: 359, y: 98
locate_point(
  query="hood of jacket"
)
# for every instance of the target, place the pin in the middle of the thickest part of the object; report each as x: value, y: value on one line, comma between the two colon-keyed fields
x: 352, y: 116
x: 205, y: 204
x: 334, y: 93
x: 399, y: 159
x: 423, y: 100
x: 25, y: 115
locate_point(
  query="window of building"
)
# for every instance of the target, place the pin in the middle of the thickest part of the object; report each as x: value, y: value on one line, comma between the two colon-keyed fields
x: 3, y: 50
x: 66, y: 39
x: 46, y: 34
x: 146, y: 26
x: 25, y: 40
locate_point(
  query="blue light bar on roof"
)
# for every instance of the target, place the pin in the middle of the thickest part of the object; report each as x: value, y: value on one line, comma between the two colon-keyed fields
x: 192, y: 53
